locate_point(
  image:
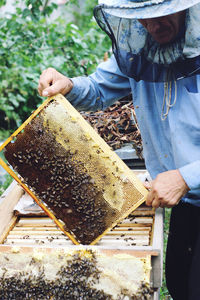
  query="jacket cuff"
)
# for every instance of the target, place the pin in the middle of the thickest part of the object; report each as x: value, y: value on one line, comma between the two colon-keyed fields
x: 191, y: 174
x: 75, y: 91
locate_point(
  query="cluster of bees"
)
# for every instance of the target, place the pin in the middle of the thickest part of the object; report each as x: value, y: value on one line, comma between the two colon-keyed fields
x: 72, y: 281
x: 75, y: 280
x: 60, y: 181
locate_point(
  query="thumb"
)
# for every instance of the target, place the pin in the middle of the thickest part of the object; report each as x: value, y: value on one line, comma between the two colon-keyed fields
x: 45, y: 92
x: 51, y: 90
x: 60, y: 86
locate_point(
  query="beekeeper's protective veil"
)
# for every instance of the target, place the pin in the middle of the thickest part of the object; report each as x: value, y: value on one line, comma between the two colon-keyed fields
x: 138, y: 55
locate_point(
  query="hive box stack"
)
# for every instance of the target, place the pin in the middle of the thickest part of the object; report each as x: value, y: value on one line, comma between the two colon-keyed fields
x: 89, y: 196
x: 35, y: 255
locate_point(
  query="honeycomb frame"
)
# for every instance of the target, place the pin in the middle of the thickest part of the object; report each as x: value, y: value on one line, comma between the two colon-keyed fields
x: 113, y: 183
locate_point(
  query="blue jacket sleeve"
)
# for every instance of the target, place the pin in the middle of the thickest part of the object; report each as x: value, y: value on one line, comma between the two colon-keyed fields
x: 101, y: 89
x: 191, y: 174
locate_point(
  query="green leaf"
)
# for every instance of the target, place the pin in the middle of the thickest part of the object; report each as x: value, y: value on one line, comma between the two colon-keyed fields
x: 2, y: 2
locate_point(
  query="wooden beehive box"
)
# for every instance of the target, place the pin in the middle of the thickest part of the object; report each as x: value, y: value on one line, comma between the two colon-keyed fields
x: 36, y: 240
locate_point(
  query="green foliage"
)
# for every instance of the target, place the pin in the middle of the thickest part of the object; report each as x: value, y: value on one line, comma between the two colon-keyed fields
x: 84, y: 20
x: 31, y: 41
x: 2, y: 2
x: 7, y: 181
x: 4, y: 134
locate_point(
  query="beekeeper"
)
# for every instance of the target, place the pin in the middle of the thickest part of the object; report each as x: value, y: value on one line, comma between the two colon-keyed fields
x: 156, y: 56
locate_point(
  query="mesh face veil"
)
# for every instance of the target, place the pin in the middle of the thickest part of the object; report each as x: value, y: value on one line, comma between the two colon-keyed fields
x: 138, y: 55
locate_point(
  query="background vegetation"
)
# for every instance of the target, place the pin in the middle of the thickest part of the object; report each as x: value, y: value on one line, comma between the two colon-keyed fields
x: 31, y: 40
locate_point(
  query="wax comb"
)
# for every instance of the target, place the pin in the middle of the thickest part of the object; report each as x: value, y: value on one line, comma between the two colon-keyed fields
x: 71, y: 172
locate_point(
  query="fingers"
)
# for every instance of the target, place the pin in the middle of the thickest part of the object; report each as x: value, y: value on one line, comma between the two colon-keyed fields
x: 156, y: 203
x: 54, y: 89
x: 52, y: 82
x: 167, y: 189
x: 153, y: 200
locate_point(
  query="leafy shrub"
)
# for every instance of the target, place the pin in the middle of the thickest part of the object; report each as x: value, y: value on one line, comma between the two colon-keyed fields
x: 7, y: 180
x: 31, y: 41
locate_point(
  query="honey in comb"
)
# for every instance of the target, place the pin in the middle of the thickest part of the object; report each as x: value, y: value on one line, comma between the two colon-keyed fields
x: 73, y: 171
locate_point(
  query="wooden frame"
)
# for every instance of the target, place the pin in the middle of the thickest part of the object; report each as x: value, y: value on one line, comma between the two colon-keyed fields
x: 123, y: 176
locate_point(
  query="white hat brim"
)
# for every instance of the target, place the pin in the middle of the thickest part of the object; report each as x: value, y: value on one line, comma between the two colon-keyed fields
x: 147, y: 9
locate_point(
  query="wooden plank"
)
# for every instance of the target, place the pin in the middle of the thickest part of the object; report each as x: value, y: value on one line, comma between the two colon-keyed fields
x: 125, y: 233
x: 65, y: 242
x: 40, y: 233
x: 145, y: 208
x: 139, y: 220
x: 117, y: 243
x: 142, y: 213
x: 61, y: 237
x: 7, y: 207
x: 35, y: 220
x: 121, y: 227
x: 41, y: 228
x: 33, y: 242
x: 127, y: 238
x: 135, y: 251
x: 8, y: 229
x: 34, y: 232
x: 134, y: 225
x: 126, y: 228
x: 37, y: 225
x: 27, y: 239
x: 35, y: 237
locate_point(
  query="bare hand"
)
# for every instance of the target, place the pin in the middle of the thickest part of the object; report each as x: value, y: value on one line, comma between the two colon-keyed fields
x: 166, y: 190
x: 52, y: 82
